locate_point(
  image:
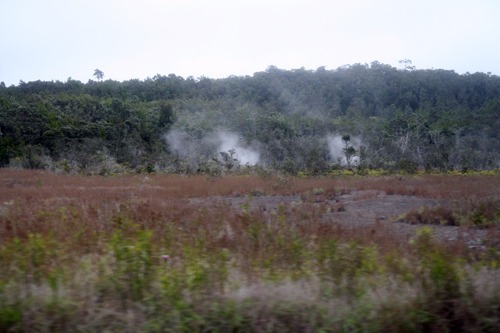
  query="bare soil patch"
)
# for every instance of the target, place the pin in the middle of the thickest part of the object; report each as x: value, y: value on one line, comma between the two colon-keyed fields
x: 360, y: 210
x: 366, y: 205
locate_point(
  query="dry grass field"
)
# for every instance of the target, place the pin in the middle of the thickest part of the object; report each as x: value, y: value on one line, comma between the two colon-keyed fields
x: 268, y: 253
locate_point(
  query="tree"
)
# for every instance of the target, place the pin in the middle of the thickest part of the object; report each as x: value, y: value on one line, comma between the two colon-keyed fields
x: 167, y: 115
x: 98, y: 74
x: 349, y: 150
x: 228, y: 159
x: 406, y: 64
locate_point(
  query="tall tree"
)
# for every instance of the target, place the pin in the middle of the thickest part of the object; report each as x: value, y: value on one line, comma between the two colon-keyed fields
x: 98, y: 74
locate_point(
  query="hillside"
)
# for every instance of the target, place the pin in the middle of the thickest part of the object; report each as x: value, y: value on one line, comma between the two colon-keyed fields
x: 363, y: 116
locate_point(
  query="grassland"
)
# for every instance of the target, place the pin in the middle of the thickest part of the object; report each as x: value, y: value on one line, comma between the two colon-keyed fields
x: 254, y: 253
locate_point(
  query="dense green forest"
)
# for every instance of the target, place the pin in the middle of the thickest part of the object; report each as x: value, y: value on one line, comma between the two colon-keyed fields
x: 357, y: 116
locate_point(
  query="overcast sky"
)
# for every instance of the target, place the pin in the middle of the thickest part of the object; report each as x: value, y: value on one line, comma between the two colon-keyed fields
x: 127, y: 39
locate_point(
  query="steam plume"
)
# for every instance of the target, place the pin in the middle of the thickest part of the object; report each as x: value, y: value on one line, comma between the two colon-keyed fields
x: 336, y: 148
x: 196, y: 150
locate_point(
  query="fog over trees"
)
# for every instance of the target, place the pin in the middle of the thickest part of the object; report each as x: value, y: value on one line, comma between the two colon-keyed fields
x: 358, y: 116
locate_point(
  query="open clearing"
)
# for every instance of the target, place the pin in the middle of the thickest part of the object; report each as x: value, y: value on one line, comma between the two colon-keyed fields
x: 376, y: 204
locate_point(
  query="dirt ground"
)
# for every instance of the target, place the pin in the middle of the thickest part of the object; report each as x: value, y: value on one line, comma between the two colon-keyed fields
x: 365, y: 205
x: 357, y: 210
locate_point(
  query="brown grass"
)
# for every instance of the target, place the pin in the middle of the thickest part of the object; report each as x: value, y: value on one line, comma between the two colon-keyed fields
x: 41, y: 202
x: 57, y: 225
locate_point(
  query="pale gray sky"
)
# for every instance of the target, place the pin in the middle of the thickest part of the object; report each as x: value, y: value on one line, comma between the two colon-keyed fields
x: 127, y: 39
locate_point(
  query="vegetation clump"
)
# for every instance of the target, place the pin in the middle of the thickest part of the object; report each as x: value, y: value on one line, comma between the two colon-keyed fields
x: 480, y: 214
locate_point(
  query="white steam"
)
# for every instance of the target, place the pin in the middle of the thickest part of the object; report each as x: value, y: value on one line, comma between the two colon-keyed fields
x: 230, y: 141
x: 180, y: 143
x: 196, y: 150
x: 184, y: 145
x: 336, y: 148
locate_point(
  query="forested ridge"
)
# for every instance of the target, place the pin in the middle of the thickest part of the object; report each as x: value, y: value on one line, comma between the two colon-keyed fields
x: 357, y: 116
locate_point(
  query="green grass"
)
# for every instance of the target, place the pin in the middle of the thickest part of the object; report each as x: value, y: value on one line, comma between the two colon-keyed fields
x: 279, y: 279
x: 147, y: 264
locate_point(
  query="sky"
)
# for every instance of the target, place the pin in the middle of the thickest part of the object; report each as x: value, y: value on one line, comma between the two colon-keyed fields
x: 126, y: 39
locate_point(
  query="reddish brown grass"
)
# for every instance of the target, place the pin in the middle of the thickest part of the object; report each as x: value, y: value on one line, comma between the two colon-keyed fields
x: 49, y: 222
x: 65, y: 206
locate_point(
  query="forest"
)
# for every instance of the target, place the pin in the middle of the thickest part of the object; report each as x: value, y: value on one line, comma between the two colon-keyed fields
x: 359, y: 117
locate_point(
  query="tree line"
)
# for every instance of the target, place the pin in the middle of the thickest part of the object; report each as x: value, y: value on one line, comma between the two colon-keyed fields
x: 357, y: 116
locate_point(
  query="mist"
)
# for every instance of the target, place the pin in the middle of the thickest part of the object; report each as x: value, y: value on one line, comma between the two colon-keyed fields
x: 179, y: 143
x: 336, y: 148
x: 195, y: 150
x: 230, y: 141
